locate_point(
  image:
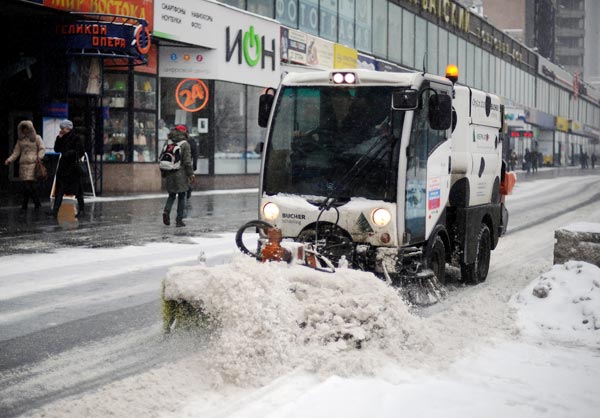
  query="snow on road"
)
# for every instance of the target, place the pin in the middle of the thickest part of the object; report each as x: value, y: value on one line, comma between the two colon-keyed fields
x: 492, y: 350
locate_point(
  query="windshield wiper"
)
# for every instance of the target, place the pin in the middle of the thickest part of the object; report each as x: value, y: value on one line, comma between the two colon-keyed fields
x: 378, y: 149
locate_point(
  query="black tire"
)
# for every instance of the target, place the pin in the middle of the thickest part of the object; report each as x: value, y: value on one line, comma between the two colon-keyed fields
x: 477, y: 272
x: 436, y: 259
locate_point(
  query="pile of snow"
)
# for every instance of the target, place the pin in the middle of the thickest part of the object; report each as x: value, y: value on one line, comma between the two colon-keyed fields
x: 275, y: 317
x: 563, y: 304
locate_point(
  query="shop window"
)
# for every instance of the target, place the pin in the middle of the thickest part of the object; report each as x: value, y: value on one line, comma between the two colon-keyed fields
x: 261, y: 7
x: 346, y: 23
x: 198, y: 123
x: 115, y: 134
x: 129, y: 117
x: 84, y: 76
x: 235, y: 3
x: 328, y: 27
x: 308, y: 16
x: 363, y: 25
x: 144, y: 93
x: 395, y: 34
x: 230, y: 128
x: 380, y: 22
x: 408, y: 39
x: 115, y: 90
x: 443, y: 59
x: 470, y: 73
x: 420, y: 42
x: 286, y: 12
x: 144, y: 137
x: 432, y: 48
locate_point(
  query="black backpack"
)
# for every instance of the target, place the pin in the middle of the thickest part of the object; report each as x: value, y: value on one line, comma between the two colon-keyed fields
x: 170, y: 156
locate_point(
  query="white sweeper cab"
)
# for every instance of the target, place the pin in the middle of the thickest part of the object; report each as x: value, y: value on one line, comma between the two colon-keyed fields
x: 393, y: 173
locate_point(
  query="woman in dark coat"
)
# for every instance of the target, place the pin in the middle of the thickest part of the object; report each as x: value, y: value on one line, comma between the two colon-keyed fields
x: 68, y: 174
x: 178, y: 181
x: 28, y: 149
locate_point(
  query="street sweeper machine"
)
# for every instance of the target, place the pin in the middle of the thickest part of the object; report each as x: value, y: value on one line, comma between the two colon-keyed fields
x: 392, y: 173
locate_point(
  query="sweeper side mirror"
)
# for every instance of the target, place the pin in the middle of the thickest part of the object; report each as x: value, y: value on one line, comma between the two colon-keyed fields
x: 265, y: 102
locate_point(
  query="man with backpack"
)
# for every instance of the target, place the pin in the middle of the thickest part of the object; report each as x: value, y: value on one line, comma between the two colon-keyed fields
x: 176, y: 167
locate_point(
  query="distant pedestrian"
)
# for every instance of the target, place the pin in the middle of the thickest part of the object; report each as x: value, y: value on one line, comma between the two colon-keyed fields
x: 527, y: 160
x: 28, y: 149
x: 512, y: 162
x: 68, y: 174
x: 593, y: 160
x: 178, y: 180
x: 534, y: 161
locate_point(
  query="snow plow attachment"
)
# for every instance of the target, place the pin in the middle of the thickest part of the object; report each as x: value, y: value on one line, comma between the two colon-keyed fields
x: 193, y: 296
x: 183, y: 303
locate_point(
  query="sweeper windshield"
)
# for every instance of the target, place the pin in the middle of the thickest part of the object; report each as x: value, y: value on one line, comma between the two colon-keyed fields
x: 334, y: 142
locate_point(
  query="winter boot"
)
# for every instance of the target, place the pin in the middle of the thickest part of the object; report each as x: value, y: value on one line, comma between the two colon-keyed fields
x: 166, y: 219
x: 179, y: 223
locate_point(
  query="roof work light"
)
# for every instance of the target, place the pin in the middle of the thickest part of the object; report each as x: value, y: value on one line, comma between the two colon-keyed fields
x: 452, y: 73
x: 343, y: 78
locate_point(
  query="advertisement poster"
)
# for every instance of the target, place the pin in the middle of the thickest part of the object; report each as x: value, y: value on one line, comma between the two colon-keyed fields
x: 319, y: 52
x: 345, y: 57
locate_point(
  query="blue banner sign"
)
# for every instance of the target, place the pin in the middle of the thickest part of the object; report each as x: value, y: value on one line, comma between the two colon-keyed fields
x: 105, y: 38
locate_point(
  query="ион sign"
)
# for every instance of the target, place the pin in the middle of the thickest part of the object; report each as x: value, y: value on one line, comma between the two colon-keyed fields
x: 253, y: 46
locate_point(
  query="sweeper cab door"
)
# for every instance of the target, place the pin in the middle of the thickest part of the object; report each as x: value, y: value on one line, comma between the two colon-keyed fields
x: 427, y: 162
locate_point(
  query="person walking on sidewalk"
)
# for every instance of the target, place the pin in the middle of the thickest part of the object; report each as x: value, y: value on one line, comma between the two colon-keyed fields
x: 28, y: 149
x: 178, y: 180
x: 68, y: 174
x: 527, y: 160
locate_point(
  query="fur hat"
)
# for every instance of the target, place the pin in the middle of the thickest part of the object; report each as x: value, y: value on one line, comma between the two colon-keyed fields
x: 26, y: 130
x: 66, y: 124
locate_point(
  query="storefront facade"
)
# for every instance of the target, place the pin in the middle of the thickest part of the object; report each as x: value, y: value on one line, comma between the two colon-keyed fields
x: 210, y: 81
x: 207, y: 62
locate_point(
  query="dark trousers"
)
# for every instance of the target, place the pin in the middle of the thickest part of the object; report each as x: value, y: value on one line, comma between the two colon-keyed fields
x: 180, y: 204
x: 30, y: 192
x: 58, y: 197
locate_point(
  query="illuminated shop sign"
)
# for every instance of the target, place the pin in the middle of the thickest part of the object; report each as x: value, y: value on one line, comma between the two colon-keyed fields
x: 255, y: 47
x: 107, y: 39
x: 192, y: 94
x: 521, y: 134
x: 141, y: 9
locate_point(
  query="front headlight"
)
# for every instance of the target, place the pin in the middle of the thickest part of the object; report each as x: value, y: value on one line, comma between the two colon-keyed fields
x: 381, y: 217
x: 270, y: 211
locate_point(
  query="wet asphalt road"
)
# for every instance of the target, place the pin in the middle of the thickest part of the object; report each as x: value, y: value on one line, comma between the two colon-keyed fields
x: 114, y: 223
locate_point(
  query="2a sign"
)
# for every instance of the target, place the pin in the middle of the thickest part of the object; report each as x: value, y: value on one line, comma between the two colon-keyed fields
x: 192, y: 94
